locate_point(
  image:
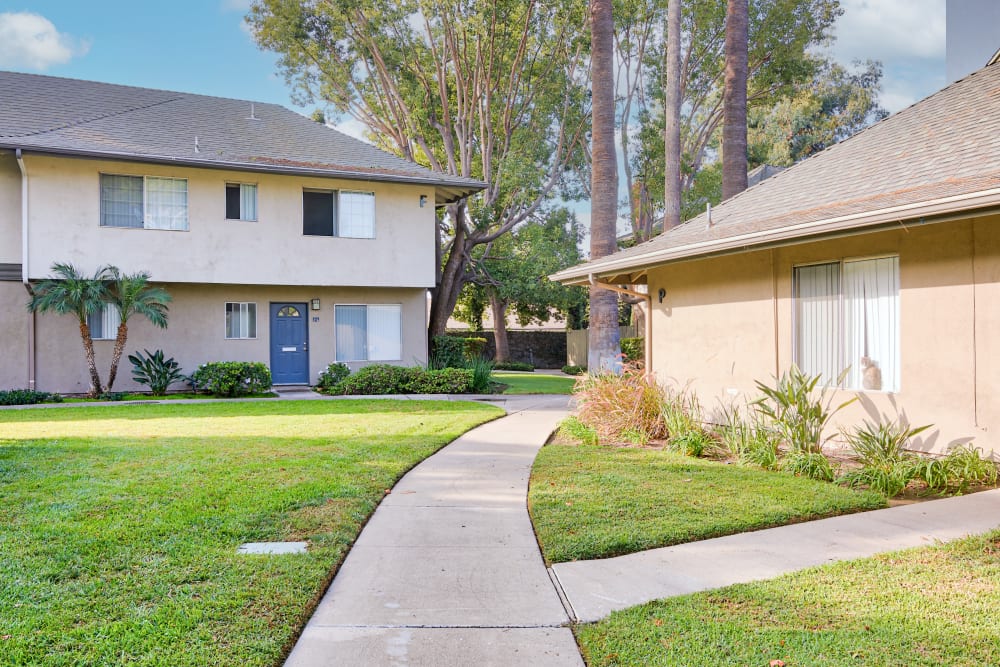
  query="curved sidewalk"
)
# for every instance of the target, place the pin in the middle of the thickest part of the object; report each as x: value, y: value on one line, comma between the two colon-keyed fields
x: 447, y: 571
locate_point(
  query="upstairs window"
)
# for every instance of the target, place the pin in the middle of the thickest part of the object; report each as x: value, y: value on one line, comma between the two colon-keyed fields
x: 847, y: 317
x: 144, y: 202
x: 342, y: 213
x: 104, y: 323
x: 241, y: 201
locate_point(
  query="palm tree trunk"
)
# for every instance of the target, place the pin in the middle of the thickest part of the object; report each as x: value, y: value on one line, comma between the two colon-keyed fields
x: 116, y: 356
x: 88, y: 352
x: 604, y: 352
x: 498, y: 307
x: 734, y: 128
x: 672, y: 119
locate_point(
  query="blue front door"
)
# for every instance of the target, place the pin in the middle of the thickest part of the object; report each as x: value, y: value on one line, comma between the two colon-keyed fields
x: 289, y: 344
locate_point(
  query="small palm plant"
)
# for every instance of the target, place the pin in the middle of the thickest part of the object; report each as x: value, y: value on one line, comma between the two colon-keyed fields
x: 70, y: 292
x: 131, y: 294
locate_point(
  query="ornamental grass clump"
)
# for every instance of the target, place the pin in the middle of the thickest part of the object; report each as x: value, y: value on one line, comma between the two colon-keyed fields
x: 682, y: 416
x: 955, y: 472
x: 886, y: 466
x: 749, y: 439
x: 622, y: 407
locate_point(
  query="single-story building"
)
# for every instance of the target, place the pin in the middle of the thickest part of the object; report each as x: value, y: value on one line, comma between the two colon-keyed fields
x: 281, y: 240
x: 879, y: 255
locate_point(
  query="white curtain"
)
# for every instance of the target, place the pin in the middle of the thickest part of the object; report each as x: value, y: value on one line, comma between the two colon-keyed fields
x: 121, y: 201
x: 384, y: 333
x: 818, y: 321
x: 871, y: 323
x: 351, y: 323
x: 166, y: 203
x: 104, y: 323
x: 241, y: 320
x: 356, y: 215
x: 248, y: 201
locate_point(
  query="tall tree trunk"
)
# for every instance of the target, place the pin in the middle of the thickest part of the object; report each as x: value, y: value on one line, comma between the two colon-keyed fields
x: 116, y: 356
x: 672, y: 119
x: 88, y: 352
x: 604, y: 351
x: 445, y: 294
x: 498, y: 307
x: 734, y: 127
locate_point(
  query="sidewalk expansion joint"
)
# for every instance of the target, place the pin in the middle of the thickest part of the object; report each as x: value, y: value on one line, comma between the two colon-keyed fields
x: 563, y: 598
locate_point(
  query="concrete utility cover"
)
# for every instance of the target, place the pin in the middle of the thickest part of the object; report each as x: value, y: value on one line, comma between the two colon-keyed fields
x: 271, y: 548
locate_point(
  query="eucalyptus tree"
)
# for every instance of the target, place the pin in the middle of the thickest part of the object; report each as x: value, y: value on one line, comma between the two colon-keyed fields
x: 489, y: 90
x: 70, y: 292
x: 734, y: 101
x: 131, y: 294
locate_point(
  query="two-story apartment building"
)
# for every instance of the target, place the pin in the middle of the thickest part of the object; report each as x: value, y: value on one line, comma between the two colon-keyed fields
x: 280, y: 240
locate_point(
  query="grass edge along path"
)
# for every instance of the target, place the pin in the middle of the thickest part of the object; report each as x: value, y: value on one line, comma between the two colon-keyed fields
x: 921, y: 607
x: 119, y: 525
x: 588, y: 501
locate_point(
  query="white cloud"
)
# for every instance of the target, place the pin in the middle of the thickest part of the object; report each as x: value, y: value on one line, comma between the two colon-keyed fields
x: 352, y: 128
x: 890, y: 29
x: 32, y: 41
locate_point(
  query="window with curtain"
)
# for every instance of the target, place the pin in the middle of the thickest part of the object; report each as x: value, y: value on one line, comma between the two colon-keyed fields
x: 104, y: 323
x: 369, y: 333
x: 241, y: 201
x: 342, y: 213
x: 241, y: 320
x: 144, y: 202
x: 847, y: 319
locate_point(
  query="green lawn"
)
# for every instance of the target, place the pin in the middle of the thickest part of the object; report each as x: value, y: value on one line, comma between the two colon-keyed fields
x: 593, y: 502
x: 534, y: 383
x: 168, y: 397
x: 119, y: 525
x: 929, y: 607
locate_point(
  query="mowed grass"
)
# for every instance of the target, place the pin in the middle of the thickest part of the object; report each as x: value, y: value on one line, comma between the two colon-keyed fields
x: 929, y: 607
x: 594, y: 502
x: 119, y: 525
x: 535, y: 383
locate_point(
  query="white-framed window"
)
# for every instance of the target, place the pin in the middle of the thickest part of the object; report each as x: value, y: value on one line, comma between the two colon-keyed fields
x: 144, y: 202
x: 241, y: 201
x: 369, y: 332
x: 847, y: 317
x: 343, y: 213
x: 241, y: 320
x: 104, y: 323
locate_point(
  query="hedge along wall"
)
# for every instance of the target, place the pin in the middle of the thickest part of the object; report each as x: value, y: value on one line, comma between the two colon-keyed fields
x: 542, y: 348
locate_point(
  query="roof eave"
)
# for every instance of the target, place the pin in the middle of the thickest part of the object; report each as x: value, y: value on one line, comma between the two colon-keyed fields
x: 612, y: 269
x: 446, y: 191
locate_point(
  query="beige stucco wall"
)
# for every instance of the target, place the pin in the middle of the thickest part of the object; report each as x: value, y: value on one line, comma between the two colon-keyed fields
x: 14, y: 334
x: 196, y: 333
x: 64, y: 210
x: 726, y: 322
x: 10, y: 209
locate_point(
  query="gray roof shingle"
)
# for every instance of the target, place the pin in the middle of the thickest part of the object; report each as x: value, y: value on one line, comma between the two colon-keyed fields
x: 51, y: 114
x: 947, y: 145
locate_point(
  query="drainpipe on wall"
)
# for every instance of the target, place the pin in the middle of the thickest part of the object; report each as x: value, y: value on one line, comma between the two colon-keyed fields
x: 24, y: 265
x: 647, y: 352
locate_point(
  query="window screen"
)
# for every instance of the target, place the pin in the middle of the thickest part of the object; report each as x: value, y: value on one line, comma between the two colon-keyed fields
x: 241, y: 320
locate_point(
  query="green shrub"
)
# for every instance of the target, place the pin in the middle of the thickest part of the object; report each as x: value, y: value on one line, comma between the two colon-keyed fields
x: 749, y: 440
x: 482, y: 375
x: 381, y: 379
x: 798, y: 413
x: 447, y: 352
x: 616, y: 406
x: 574, y: 370
x: 692, y: 443
x: 154, y: 371
x: 512, y: 366
x: 814, y: 465
x: 886, y: 466
x: 633, y: 349
x: 232, y: 378
x: 332, y: 375
x: 573, y: 428
x: 960, y: 468
x: 112, y: 396
x: 27, y: 397
x: 473, y: 348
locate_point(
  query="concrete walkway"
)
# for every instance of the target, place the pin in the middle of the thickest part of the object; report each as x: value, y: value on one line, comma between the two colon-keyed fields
x: 447, y: 571
x: 596, y: 588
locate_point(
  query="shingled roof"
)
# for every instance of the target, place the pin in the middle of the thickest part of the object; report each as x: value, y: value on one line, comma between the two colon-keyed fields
x: 68, y: 116
x: 935, y: 158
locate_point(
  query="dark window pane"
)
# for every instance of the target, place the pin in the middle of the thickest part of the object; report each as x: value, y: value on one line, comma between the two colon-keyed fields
x: 232, y: 202
x: 317, y: 213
